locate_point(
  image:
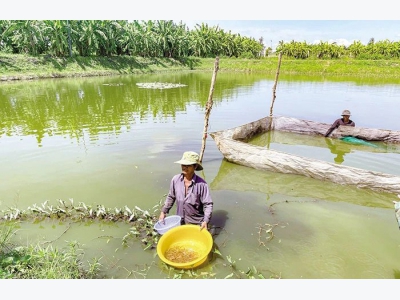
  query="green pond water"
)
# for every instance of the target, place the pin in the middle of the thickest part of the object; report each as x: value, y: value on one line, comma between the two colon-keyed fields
x: 107, y: 141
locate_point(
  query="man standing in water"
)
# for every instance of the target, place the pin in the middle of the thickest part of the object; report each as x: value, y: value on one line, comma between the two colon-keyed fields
x: 344, y: 121
x: 190, y: 192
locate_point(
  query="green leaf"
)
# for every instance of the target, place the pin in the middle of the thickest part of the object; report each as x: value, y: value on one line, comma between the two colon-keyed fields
x: 217, y: 252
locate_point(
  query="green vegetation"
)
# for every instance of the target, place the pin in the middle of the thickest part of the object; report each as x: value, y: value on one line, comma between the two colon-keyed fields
x: 38, y: 262
x: 31, y: 49
x: 159, y: 38
x: 23, y: 66
x: 164, y: 38
x: 324, y: 50
x: 141, y: 220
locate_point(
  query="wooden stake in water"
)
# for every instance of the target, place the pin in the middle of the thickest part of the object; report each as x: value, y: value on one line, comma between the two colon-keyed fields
x: 273, y: 98
x: 208, y: 108
x: 275, y: 84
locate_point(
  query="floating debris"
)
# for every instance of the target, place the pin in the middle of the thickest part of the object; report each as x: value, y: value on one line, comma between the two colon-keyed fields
x: 159, y: 85
x: 113, y: 84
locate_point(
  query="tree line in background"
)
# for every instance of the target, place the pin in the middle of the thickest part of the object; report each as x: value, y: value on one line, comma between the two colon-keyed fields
x: 164, y: 38
x: 159, y: 38
x: 323, y: 50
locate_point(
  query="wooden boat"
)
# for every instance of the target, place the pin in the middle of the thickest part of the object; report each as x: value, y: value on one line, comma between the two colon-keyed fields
x: 234, y: 146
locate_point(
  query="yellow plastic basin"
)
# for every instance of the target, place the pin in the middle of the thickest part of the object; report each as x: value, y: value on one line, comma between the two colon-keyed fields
x: 185, y: 247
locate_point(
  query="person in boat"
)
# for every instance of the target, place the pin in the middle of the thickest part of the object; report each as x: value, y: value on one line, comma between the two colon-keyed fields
x: 343, y: 121
x: 190, y: 192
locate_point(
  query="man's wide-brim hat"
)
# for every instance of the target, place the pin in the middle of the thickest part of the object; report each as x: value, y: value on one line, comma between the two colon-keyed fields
x: 190, y: 158
x: 346, y: 113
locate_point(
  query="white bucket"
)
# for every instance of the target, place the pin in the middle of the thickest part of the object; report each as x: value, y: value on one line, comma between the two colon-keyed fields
x: 168, y: 223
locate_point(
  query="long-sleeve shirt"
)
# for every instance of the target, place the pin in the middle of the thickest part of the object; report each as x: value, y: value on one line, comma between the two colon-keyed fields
x: 196, y: 206
x: 337, y: 123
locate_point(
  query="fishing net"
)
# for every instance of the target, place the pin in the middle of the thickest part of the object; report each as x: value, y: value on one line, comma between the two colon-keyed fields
x: 355, y: 141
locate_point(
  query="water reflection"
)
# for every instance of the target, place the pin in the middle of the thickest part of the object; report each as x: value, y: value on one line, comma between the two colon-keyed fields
x: 358, y: 153
x: 239, y: 178
x: 70, y: 106
x: 340, y: 147
x: 339, y: 150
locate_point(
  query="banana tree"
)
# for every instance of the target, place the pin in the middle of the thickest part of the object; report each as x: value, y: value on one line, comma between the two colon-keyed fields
x: 90, y: 36
x: 27, y: 36
x: 202, y: 40
x: 356, y: 48
x: 57, y: 33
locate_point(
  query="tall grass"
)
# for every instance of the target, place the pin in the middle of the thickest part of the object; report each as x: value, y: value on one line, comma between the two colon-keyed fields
x: 37, y: 262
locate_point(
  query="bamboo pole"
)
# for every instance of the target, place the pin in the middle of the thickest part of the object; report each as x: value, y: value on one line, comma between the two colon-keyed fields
x: 274, y: 92
x: 208, y: 108
x: 275, y: 84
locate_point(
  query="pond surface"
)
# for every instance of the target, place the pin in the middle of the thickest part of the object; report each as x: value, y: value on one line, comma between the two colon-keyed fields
x: 107, y: 141
x: 373, y: 156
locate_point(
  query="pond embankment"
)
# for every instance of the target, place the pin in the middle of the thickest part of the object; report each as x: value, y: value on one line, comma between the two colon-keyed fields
x: 25, y: 67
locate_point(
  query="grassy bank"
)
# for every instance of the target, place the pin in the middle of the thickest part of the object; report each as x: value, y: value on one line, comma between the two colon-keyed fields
x: 22, y: 67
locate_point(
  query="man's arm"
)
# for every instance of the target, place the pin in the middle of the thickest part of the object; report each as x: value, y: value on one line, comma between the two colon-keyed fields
x: 333, y: 126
